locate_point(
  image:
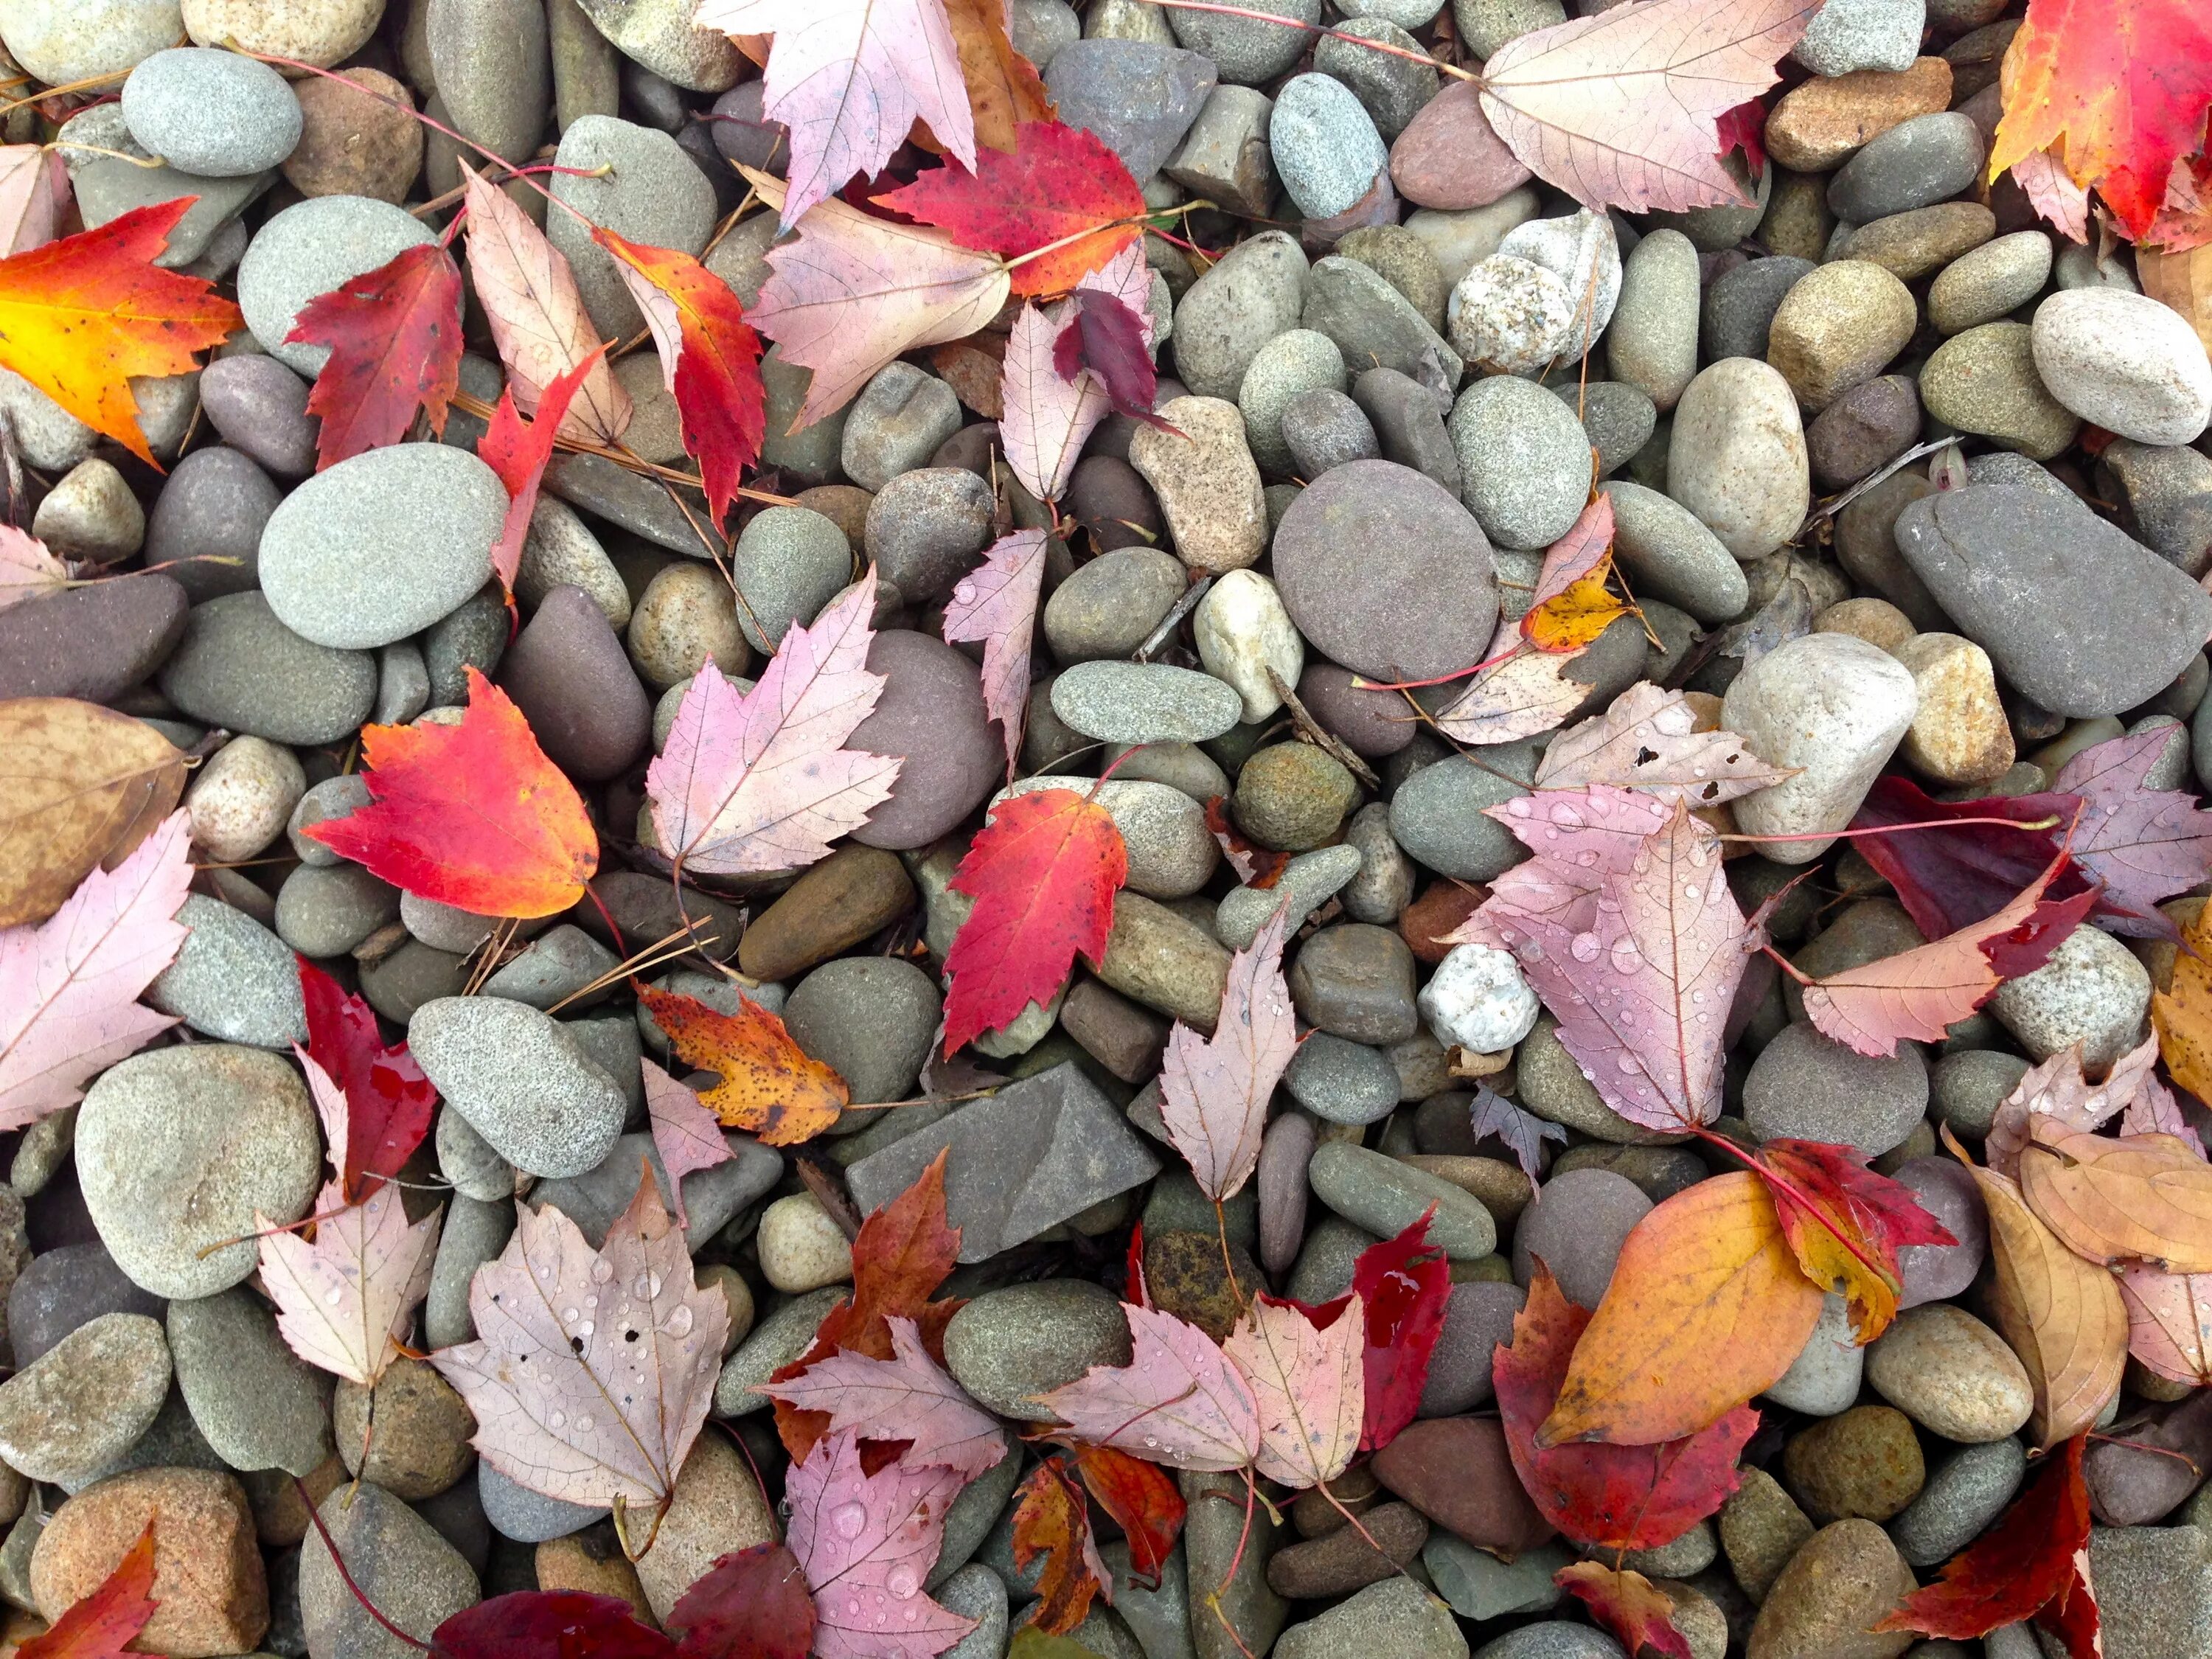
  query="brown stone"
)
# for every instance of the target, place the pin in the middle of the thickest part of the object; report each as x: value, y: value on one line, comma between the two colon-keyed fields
x: 416, y: 1435
x: 279, y: 1517
x: 1186, y: 1276
x: 1817, y: 125
x: 1356, y: 1491
x: 1864, y: 1463
x: 208, y: 1581
x: 351, y: 143
x: 1119, y: 1035
x: 845, y: 506
x: 1761, y: 1528
x: 1455, y: 1470
x: 1503, y: 1189
x: 832, y: 908
x: 1440, y: 907
x: 1343, y: 1561
x: 593, y: 1561
x: 717, y: 1507
x: 1827, y: 1600
x: 1911, y: 246
x: 1449, y: 156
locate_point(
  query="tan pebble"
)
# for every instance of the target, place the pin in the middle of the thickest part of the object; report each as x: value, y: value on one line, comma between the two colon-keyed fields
x: 243, y: 797
x: 1961, y: 734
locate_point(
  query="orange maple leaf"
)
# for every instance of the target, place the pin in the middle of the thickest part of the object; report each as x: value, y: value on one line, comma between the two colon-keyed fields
x: 2119, y: 88
x: 470, y: 815
x: 1052, y: 1519
x: 81, y: 317
x: 769, y: 1086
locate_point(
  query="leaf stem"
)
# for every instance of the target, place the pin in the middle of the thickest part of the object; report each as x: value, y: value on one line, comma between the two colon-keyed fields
x: 338, y: 1561
x: 1435, y: 63
x: 2051, y: 823
x: 1796, y: 1194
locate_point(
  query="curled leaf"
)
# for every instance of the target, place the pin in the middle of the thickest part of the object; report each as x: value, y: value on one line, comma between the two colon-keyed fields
x: 2140, y: 1198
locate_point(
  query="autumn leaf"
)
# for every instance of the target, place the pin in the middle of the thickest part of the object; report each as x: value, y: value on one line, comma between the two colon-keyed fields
x: 471, y: 815
x: 80, y: 788
x: 752, y: 1604
x: 866, y: 1543
x: 1649, y: 740
x: 1404, y: 1284
x: 34, y: 195
x: 2117, y: 88
x: 1178, y: 1401
x: 1744, y: 128
x: 1947, y: 876
x: 2033, y: 1564
x: 105, y: 1624
x: 685, y: 1133
x: 1043, y: 871
x: 1522, y: 1131
x: 1522, y: 693
x: 80, y: 318
x: 379, y: 1102
x: 1622, y: 109
x: 848, y: 78
x: 1259, y: 867
x: 1572, y: 605
x: 2057, y: 1090
x: 1142, y: 1499
x: 1603, y: 1497
x: 28, y: 571
x: 1845, y: 1225
x: 996, y: 602
x: 1051, y: 1521
x: 538, y: 323
x: 1307, y: 1373
x: 2169, y: 1322
x: 769, y: 1086
x: 2182, y: 1014
x: 1214, y: 1091
x: 592, y: 1370
x: 346, y: 1300
x: 1707, y: 1308
x: 69, y: 987
x: 709, y: 360
x: 1111, y: 340
x: 903, y: 1253
x: 1626, y: 1603
x: 853, y: 291
x: 1004, y: 88
x: 907, y: 1397
x: 394, y: 335
x: 2144, y: 844
x: 760, y: 781
x: 2051, y: 191
x: 2140, y: 1198
x: 549, y: 1625
x: 1048, y: 410
x: 518, y: 454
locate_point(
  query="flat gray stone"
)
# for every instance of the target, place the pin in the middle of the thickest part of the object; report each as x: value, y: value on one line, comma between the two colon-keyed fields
x: 257, y: 1403
x: 233, y: 978
x: 399, y: 1562
x: 594, y: 1200
x: 522, y: 1080
x: 526, y: 1516
x: 1144, y: 702
x: 86, y: 1401
x: 215, y: 113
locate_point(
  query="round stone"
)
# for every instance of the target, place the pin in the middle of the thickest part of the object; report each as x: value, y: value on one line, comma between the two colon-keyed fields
x: 521, y: 1079
x: 1951, y: 1373
x: 2125, y: 362
x: 1524, y: 460
x: 1009, y: 1345
x: 216, y: 115
x: 1144, y: 702
x: 1478, y: 1001
x: 309, y: 249
x: 1805, y: 1086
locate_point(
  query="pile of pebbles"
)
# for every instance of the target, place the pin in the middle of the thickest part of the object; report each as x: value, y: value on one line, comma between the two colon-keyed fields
x: 1387, y: 377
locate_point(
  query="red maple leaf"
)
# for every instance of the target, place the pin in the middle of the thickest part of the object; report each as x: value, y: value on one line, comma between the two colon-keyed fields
x: 549, y: 1625
x: 1143, y: 1499
x: 1105, y: 337
x: 1602, y: 1495
x: 1061, y: 185
x: 518, y: 454
x: 388, y: 1100
x: 1626, y: 1603
x: 1052, y: 1521
x: 1404, y: 1284
x: 1844, y: 1223
x: 105, y: 1624
x: 2034, y: 1562
x: 752, y: 1604
x: 1043, y: 872
x: 1744, y: 128
x: 470, y: 815
x: 395, y: 340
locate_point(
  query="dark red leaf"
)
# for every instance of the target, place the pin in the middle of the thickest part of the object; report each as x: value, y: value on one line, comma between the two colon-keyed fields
x: 1948, y: 878
x: 549, y: 1625
x: 1744, y: 128
x: 518, y: 454
x: 752, y: 1604
x: 395, y: 340
x: 1135, y: 1268
x: 1143, y: 1500
x: 1404, y: 1284
x: 1108, y: 339
x: 388, y: 1100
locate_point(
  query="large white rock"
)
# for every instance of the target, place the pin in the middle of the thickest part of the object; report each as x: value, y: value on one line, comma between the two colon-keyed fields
x: 1243, y: 632
x: 2124, y: 361
x: 1478, y: 1000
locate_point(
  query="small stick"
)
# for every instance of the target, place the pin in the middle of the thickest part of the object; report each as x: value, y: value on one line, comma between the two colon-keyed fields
x: 1310, y: 729
x: 1181, y: 608
x: 338, y: 1561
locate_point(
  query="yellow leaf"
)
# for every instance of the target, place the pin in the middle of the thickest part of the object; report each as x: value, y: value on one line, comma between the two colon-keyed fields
x: 769, y: 1086
x: 2183, y: 1016
x: 1571, y: 619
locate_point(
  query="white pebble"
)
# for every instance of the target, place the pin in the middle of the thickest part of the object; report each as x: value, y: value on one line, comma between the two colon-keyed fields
x: 243, y: 797
x: 1243, y: 631
x: 1478, y: 1001
x: 800, y: 1248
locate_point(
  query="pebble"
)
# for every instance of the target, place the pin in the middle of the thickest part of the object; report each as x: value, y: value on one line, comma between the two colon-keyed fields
x: 1577, y: 1228
x: 233, y: 978
x: 1930, y: 1273
x: 420, y: 1446
x: 1524, y: 458
x: 86, y: 1401
x: 522, y: 1081
x: 1990, y: 281
x: 659, y: 36
x: 1838, y: 328
x: 653, y: 194
x: 1652, y: 341
x: 1925, y: 159
x: 491, y: 61
x: 1668, y: 554
x: 1864, y: 1463
x: 1736, y: 456
x: 1247, y: 641
x: 1983, y: 379
x: 1824, y: 1378
x: 1292, y: 797
x: 260, y: 408
x: 259, y: 1405
x: 1818, y: 124
x: 774, y: 1343
x: 2093, y: 991
x: 1839, y: 1584
x: 1395, y: 1616
x: 1478, y: 1001
x: 1342, y: 1082
x: 310, y: 248
x: 214, y: 113
x: 243, y: 797
x: 1865, y: 427
x: 397, y: 1558
x: 2125, y: 362
x: 717, y: 1507
x: 1252, y: 294
x: 1206, y: 482
x: 1008, y: 1345
x: 209, y: 520
x: 1582, y: 252
x: 1325, y: 149
x: 931, y: 715
x: 1965, y: 1491
x: 90, y: 514
x: 1807, y: 1086
x: 1385, y: 1196
x: 1478, y: 1318
x: 1139, y: 96
x: 1144, y: 702
x: 355, y: 142
x: 1456, y: 1471
x: 1951, y: 1373
x: 800, y: 1247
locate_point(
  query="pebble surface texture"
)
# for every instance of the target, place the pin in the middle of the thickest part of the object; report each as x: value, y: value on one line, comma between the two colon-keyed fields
x: 1909, y: 489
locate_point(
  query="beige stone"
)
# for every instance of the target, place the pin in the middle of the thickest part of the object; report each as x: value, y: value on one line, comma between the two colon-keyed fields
x: 1839, y: 328
x: 416, y: 1437
x: 1961, y: 734
x: 207, y: 1580
x: 718, y: 1507
x: 1818, y: 126
x: 687, y: 614
x: 242, y: 798
x: 1951, y: 1373
x: 591, y: 1561
x: 801, y: 1249
x: 1876, y: 620
x: 1207, y: 484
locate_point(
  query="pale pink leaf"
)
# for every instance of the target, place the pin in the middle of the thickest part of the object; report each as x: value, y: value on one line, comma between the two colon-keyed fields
x: 2056, y: 1089
x: 866, y: 1544
x: 2051, y: 191
x: 1178, y: 1401
x: 848, y: 78
x: 346, y: 1301
x: 685, y: 1133
x: 1214, y: 1091
x: 1310, y: 1385
x: 28, y: 570
x: 758, y: 781
x: 853, y: 292
x: 1527, y: 692
x: 1576, y: 554
x: 662, y: 319
x: 1639, y: 968
x: 69, y: 987
x: 997, y: 603
x: 2169, y: 1322
x: 1046, y: 420
x: 538, y: 323
x: 2143, y: 844
x: 1622, y: 109
x: 34, y: 195
x: 906, y: 1397
x: 1648, y: 740
x: 592, y: 1370
x: 331, y: 1107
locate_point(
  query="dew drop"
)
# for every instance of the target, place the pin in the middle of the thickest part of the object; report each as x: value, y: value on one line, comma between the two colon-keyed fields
x: 1586, y: 859
x: 679, y: 1322
x: 557, y: 1420
x: 902, y: 1581
x: 335, y: 1295
x: 586, y: 1329
x: 602, y: 1270
x: 1626, y: 1062
x: 850, y: 1520
x: 1564, y: 815
x: 567, y: 1315
x: 964, y: 593
x: 853, y: 1607
x: 1689, y: 889
x: 585, y: 1426
x: 1583, y: 947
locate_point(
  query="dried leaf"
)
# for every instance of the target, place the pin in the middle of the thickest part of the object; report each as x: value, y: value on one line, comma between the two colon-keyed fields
x: 906, y: 1397
x: 28, y: 571
x: 760, y: 781
x: 769, y: 1086
x: 80, y: 318
x: 2061, y: 1314
x: 1143, y: 1500
x: 997, y: 603
x: 1626, y: 1603
x: 1622, y: 109
x: 2182, y: 1014
x: 105, y: 1623
x: 853, y: 292
x: 394, y: 335
x: 471, y: 815
x: 69, y: 987
x: 593, y: 1369
x: 346, y: 1301
x: 1309, y: 1381
x: 2057, y: 1090
x: 2169, y: 1322
x: 1523, y: 1132
x: 1043, y: 871
x: 1261, y: 867
x: 2141, y: 1198
x: 34, y: 197
x: 1178, y: 1401
x: 685, y: 1133
x: 2051, y: 191
x: 1649, y: 740
x: 80, y: 788
x: 1527, y: 692
x: 1046, y: 418
x: 2144, y: 844
x: 379, y: 1103
x: 1707, y: 1308
x: 752, y: 1604
x: 1845, y: 1225
x: 1004, y: 90
x: 549, y: 1625
x: 1404, y: 1285
x: 1214, y: 1091
x: 537, y: 318
x: 1947, y: 876
x: 1051, y: 1520
x: 1612, y: 1497
x: 518, y: 454
x: 1572, y: 605
x: 2182, y: 282
x: 866, y: 1543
